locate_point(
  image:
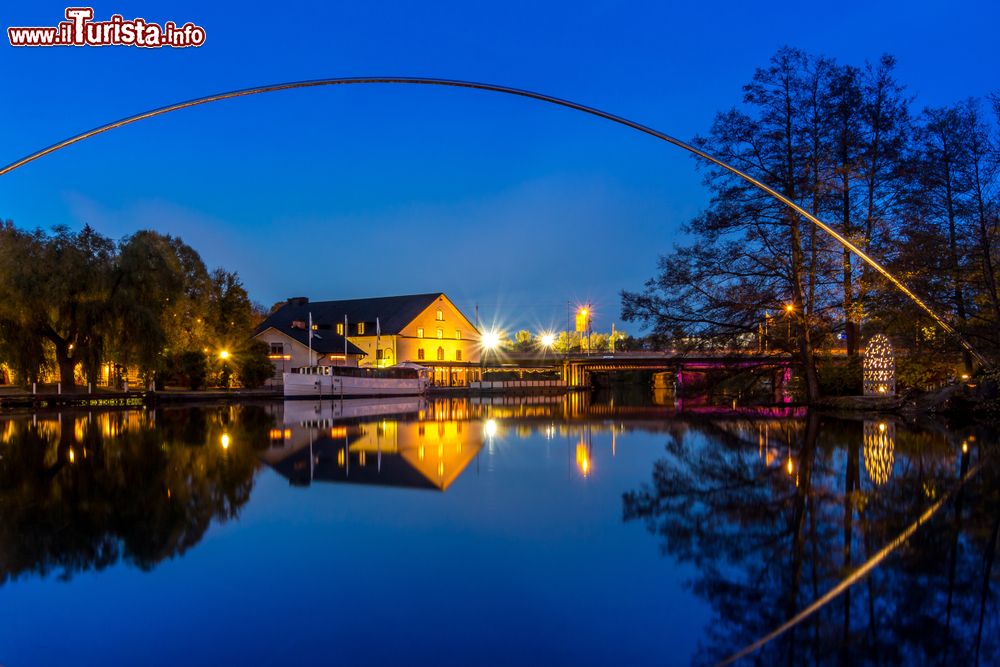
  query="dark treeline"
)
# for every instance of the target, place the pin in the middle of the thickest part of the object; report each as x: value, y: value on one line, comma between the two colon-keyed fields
x: 914, y: 187
x: 73, y: 302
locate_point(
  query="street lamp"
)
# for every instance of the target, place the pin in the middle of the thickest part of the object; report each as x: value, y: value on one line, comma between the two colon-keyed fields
x: 547, y: 340
x: 789, y: 309
x: 489, y: 340
x: 583, y: 315
x: 223, y: 354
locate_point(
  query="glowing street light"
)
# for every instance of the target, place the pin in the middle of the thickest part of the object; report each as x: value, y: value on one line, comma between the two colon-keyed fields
x: 223, y: 354
x: 490, y: 340
x: 583, y: 314
x: 547, y: 339
x: 224, y: 441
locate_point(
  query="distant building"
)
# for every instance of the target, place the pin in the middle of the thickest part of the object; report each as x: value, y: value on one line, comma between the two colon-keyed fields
x: 426, y: 329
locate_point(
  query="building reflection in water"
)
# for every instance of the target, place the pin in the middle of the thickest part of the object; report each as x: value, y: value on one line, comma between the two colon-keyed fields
x: 879, y: 447
x: 404, y: 442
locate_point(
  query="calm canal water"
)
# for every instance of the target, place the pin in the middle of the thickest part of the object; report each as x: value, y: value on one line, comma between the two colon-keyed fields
x: 534, y: 531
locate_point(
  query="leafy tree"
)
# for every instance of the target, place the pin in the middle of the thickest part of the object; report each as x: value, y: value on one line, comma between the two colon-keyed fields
x: 751, y: 253
x: 839, y: 140
x: 524, y: 341
x: 253, y: 366
x: 142, y: 302
x: 191, y: 369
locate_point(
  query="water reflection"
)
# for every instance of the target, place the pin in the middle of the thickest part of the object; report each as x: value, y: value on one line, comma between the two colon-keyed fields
x: 395, y: 442
x: 766, y: 510
x: 85, y: 491
x: 767, y: 540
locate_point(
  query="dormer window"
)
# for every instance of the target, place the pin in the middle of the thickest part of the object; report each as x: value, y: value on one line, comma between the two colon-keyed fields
x: 361, y: 328
x: 440, y: 315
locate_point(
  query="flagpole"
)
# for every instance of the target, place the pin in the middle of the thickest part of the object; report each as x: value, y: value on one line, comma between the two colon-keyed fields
x: 310, y: 338
x: 378, y: 338
x: 345, y: 339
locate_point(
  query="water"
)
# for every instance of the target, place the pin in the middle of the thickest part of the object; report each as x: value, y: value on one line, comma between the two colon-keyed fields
x: 455, y: 532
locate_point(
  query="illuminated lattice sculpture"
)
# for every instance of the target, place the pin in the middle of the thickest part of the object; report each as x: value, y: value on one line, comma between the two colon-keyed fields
x: 879, y: 368
x: 880, y: 441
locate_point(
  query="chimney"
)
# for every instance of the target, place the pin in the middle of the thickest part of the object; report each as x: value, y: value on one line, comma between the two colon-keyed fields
x: 298, y: 301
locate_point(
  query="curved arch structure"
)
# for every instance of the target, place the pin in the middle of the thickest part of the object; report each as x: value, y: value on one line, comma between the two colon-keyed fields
x: 420, y: 81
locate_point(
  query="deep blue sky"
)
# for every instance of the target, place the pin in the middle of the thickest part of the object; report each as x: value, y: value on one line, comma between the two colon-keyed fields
x: 504, y: 202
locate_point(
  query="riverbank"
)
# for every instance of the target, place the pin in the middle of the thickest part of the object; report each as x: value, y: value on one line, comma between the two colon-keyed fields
x: 15, y: 397
x: 969, y: 401
x: 19, y: 398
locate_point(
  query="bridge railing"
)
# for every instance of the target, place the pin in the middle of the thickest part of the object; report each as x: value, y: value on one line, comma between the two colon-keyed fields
x: 503, y: 385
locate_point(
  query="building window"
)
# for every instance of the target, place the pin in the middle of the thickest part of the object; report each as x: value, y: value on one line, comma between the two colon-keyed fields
x: 458, y: 355
x: 440, y: 354
x: 440, y: 333
x: 420, y: 353
x: 361, y: 328
x: 277, y: 349
x: 440, y: 315
x: 340, y: 329
x: 420, y: 332
x: 458, y: 335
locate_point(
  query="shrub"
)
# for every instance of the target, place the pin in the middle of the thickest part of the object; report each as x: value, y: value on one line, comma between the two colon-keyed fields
x: 253, y: 366
x: 840, y: 378
x: 191, y: 369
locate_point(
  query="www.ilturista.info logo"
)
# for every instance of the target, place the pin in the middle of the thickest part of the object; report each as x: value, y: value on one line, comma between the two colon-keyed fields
x: 80, y: 29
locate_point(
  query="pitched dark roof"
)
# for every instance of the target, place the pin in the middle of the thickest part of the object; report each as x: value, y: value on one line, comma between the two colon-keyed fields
x: 393, y: 312
x: 394, y: 470
x: 323, y: 342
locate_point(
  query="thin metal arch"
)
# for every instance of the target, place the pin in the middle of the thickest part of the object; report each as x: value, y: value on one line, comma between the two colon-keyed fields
x: 407, y: 80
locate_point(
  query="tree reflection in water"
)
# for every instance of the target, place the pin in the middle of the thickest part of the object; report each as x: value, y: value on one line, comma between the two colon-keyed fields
x: 86, y: 491
x: 774, y: 514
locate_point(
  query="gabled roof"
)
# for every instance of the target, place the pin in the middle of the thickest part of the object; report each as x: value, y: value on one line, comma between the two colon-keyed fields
x: 393, y: 312
x: 323, y: 342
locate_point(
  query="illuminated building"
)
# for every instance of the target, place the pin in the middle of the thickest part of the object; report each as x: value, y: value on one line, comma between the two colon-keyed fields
x: 419, y: 454
x: 425, y: 329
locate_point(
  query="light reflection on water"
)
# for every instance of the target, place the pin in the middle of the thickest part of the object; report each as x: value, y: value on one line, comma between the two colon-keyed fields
x: 521, y: 530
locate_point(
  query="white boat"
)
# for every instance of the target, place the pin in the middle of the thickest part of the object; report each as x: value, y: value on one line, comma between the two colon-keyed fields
x: 326, y: 413
x: 342, y: 381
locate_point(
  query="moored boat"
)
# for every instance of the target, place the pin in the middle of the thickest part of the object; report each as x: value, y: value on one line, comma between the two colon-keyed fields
x: 343, y: 381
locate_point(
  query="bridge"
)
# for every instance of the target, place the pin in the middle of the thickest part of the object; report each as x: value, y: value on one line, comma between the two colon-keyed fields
x: 576, y: 369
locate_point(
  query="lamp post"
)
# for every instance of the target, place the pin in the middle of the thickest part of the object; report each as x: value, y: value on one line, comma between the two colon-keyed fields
x: 789, y: 309
x: 583, y: 315
x: 487, y: 341
x: 224, y: 357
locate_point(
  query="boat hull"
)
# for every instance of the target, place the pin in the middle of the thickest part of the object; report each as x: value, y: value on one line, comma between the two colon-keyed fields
x: 335, y: 386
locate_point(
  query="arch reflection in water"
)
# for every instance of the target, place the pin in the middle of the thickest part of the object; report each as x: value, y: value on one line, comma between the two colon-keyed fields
x: 345, y: 441
x: 880, y: 445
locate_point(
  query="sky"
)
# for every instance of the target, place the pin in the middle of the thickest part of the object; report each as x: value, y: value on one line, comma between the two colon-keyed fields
x: 520, y: 208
